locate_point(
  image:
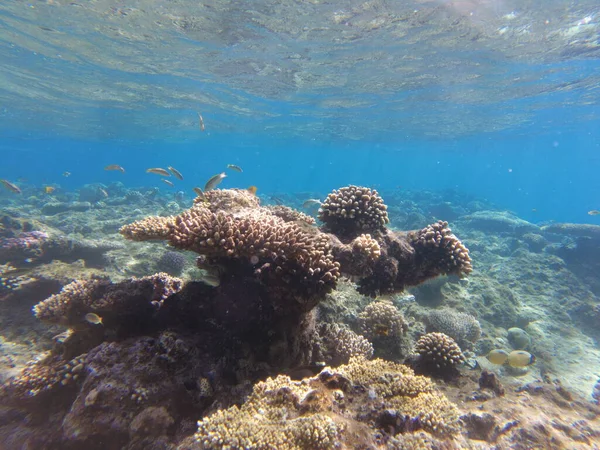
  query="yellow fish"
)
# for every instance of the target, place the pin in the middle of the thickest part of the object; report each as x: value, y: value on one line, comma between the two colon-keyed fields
x: 520, y: 358
x: 115, y: 167
x: 158, y: 171
x: 175, y: 172
x: 497, y: 356
x: 49, y: 189
x: 93, y: 318
x: 252, y: 190
x: 593, y: 212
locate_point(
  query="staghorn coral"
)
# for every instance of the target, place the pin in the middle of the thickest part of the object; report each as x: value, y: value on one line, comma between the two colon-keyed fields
x: 44, y: 376
x: 438, y: 351
x: 101, y: 296
x: 463, y: 328
x: 441, y: 250
x: 339, y: 344
x: 289, y: 214
x: 328, y: 411
x: 382, y: 319
x: 353, y: 210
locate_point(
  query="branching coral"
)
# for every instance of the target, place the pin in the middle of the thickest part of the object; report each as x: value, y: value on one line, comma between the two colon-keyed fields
x: 44, y: 376
x: 353, y: 210
x: 323, y: 412
x: 438, y: 351
x: 440, y: 251
x: 101, y: 296
x: 382, y: 319
x: 290, y: 215
x: 286, y: 257
x: 339, y: 344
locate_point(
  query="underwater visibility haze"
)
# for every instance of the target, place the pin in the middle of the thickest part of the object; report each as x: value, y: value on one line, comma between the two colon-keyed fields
x: 299, y: 224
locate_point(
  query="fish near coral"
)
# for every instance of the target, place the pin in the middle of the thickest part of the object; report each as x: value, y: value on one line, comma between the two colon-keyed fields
x: 10, y: 186
x: 115, y: 167
x: 176, y: 173
x: 234, y: 168
x: 49, y: 189
x: 168, y: 183
x: 214, y: 181
x: 520, y: 358
x: 158, y: 171
x: 497, y: 356
x: 94, y: 319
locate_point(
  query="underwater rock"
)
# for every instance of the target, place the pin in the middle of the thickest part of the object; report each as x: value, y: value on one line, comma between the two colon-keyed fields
x: 53, y: 208
x: 497, y: 222
x: 535, y: 242
x: 518, y: 338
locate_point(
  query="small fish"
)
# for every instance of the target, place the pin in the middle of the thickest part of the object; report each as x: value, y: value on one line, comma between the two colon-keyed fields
x: 158, y: 171
x: 103, y: 192
x: 11, y: 187
x: 533, y: 210
x: 234, y: 167
x: 168, y: 182
x: 62, y: 337
x: 115, y: 167
x: 252, y: 190
x: 49, y: 189
x: 66, y: 174
x: 520, y: 358
x: 93, y: 318
x: 199, y: 192
x: 593, y: 212
x: 200, y: 121
x: 211, y: 280
x: 214, y: 181
x: 311, y: 202
x: 175, y: 172
x: 497, y: 356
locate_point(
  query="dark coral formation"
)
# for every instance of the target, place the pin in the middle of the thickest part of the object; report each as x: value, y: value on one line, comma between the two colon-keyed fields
x: 353, y: 210
x: 172, y: 263
x: 438, y: 351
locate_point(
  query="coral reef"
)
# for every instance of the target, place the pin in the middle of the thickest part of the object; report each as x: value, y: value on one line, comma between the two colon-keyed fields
x: 290, y: 215
x: 438, y: 352
x: 320, y: 412
x: 353, y: 210
x: 463, y: 328
x: 339, y: 343
x: 290, y: 261
x: 382, y: 319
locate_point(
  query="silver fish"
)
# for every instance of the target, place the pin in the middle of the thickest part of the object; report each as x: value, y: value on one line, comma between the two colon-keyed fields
x: 214, y: 181
x: 234, y: 167
x: 175, y: 172
x: 168, y: 182
x: 311, y: 202
x: 211, y: 280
